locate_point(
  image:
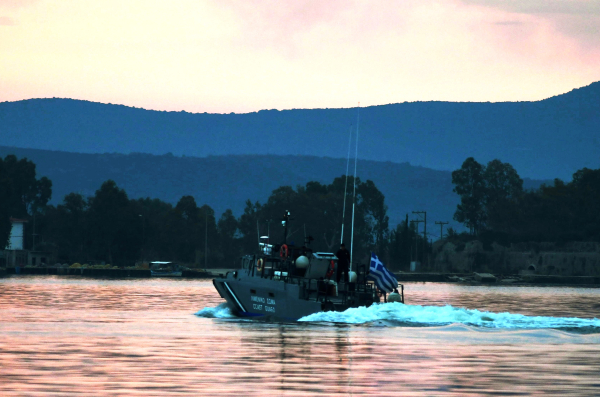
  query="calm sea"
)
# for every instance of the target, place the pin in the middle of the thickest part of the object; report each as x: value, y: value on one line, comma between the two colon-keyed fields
x: 74, y: 336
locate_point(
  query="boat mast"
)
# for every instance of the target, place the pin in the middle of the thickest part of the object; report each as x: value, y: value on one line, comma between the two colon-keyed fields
x: 205, y: 238
x: 354, y: 182
x: 346, y: 184
x: 284, y: 222
x: 257, y: 234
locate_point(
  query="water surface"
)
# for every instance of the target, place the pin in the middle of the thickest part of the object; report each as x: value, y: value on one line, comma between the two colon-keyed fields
x: 75, y: 336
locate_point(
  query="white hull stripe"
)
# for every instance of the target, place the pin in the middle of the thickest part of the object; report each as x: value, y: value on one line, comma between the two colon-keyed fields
x: 234, y: 297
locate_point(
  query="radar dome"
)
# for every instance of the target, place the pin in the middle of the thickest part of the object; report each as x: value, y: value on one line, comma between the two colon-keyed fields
x: 394, y: 297
x: 302, y: 262
x: 352, y: 276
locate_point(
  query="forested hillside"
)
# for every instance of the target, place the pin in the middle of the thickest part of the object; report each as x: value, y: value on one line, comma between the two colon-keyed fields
x: 228, y: 181
x: 543, y: 139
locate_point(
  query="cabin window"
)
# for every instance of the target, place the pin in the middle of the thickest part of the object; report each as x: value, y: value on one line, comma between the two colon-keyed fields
x: 253, y: 291
x: 272, y: 295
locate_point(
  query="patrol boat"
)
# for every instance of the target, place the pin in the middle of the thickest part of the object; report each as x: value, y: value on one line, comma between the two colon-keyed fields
x: 288, y: 282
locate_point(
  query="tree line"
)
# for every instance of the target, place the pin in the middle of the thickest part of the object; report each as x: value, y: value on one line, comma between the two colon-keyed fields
x: 111, y: 227
x: 494, y: 205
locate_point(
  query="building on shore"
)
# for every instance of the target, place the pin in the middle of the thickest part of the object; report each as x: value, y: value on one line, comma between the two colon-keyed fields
x: 15, y: 254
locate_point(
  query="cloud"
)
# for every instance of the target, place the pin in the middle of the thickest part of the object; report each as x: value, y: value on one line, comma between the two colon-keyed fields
x: 13, y: 4
x: 287, y: 16
x: 565, y: 7
x: 279, y: 25
x: 508, y: 23
x: 245, y: 55
x: 7, y: 21
x: 297, y: 29
x: 577, y: 19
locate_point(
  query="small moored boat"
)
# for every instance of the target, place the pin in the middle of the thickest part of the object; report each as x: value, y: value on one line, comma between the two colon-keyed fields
x: 165, y: 269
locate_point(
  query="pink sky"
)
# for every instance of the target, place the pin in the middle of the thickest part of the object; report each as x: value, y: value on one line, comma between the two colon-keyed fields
x: 240, y: 56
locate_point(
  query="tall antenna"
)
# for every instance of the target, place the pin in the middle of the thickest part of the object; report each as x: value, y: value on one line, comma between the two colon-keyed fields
x: 346, y: 185
x: 205, y: 237
x: 354, y: 181
x: 257, y: 234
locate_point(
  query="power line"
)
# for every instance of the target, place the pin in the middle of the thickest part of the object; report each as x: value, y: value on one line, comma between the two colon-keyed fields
x: 441, y: 228
x: 417, y: 221
x: 424, y: 213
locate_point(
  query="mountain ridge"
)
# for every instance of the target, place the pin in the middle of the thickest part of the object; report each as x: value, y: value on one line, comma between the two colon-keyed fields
x: 543, y: 139
x: 595, y: 85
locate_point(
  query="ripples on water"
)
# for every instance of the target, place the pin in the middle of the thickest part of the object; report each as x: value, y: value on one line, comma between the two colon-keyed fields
x: 71, y: 336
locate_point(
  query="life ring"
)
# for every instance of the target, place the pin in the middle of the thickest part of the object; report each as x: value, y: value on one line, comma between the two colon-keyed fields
x: 331, y: 268
x: 284, y: 252
x: 259, y: 265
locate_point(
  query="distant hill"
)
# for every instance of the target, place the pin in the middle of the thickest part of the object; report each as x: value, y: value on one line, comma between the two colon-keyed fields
x: 228, y: 181
x: 544, y: 139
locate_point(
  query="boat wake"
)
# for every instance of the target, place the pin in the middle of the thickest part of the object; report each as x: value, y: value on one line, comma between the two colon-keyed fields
x: 397, y: 314
x: 221, y: 311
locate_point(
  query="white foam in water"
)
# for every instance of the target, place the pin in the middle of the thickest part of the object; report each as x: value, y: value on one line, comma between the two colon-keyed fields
x: 221, y: 311
x: 434, y: 315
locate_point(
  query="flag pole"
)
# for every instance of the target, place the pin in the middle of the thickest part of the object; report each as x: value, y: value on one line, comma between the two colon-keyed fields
x: 354, y: 194
x: 346, y: 185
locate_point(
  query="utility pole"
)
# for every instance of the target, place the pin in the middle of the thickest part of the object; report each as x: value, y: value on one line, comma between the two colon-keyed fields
x: 143, y: 236
x: 424, y: 213
x: 441, y: 228
x: 205, y: 238
x: 33, y: 234
x: 417, y: 221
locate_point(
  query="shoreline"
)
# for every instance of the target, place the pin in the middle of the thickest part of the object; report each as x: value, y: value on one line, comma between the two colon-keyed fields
x: 452, y: 278
x: 91, y: 272
x: 505, y: 280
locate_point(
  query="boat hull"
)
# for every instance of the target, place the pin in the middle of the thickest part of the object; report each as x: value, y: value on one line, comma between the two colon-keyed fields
x: 268, y: 298
x: 249, y: 296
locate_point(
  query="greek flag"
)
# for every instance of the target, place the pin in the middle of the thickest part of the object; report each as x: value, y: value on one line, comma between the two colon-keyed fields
x: 384, y: 279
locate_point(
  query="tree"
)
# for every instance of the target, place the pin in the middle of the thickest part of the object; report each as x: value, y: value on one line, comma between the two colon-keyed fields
x: 585, y: 189
x: 488, y: 195
x: 208, y: 233
x: 5, y: 210
x: 400, y: 245
x: 185, y: 230
x: 451, y: 233
x: 67, y: 227
x: 187, y: 208
x: 503, y: 187
x: 154, y: 226
x: 21, y: 194
x: 248, y: 224
x: 374, y: 211
x: 318, y: 209
x: 114, y: 224
x: 469, y: 184
x: 501, y: 182
x: 228, y: 231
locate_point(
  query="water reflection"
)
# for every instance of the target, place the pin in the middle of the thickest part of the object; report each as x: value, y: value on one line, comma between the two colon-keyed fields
x: 531, y: 301
x: 84, y: 337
